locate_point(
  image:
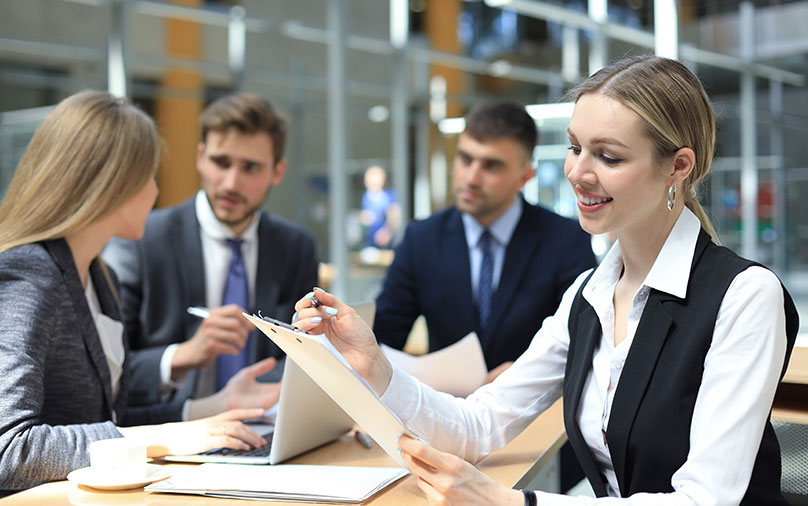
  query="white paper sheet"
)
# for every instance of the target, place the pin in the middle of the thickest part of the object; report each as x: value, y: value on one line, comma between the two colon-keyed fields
x: 329, y: 484
x: 458, y: 369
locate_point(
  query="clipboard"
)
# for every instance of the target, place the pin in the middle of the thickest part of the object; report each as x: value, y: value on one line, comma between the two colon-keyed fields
x: 326, y: 366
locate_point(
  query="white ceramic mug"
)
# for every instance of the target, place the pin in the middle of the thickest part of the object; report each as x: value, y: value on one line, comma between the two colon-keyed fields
x: 118, y: 459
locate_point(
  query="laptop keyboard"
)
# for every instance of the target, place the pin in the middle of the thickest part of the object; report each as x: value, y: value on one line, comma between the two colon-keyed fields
x: 261, y: 451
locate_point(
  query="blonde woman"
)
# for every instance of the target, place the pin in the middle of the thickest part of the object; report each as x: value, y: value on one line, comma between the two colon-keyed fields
x: 87, y: 174
x: 667, y: 354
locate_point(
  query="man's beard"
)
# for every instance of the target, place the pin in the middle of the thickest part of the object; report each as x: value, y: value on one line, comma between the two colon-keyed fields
x: 248, y: 213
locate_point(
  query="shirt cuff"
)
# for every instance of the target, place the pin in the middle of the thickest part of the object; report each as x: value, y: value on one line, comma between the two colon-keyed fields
x: 165, y: 368
x: 400, y: 392
x: 186, y: 409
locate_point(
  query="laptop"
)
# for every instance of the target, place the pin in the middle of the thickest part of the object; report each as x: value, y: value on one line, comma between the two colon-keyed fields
x: 306, y: 418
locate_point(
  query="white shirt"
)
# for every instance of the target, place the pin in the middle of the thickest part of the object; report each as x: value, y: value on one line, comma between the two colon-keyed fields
x: 216, y: 255
x: 501, y: 231
x: 110, y: 333
x: 746, y: 355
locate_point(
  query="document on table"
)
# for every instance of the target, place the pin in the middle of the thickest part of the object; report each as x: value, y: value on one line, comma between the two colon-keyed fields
x: 325, y: 484
x: 458, y: 369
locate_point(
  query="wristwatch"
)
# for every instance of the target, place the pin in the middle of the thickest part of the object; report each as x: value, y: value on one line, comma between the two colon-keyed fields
x: 530, y: 498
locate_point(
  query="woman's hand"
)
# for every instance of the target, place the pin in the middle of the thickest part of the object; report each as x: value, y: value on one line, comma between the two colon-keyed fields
x: 349, y: 334
x: 186, y: 438
x: 448, y: 480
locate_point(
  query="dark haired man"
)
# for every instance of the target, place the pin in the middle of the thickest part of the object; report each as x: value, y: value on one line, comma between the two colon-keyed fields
x: 492, y: 263
x: 221, y: 251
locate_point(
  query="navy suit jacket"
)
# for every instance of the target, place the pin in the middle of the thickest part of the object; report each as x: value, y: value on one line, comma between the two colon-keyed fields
x: 163, y: 273
x: 431, y: 276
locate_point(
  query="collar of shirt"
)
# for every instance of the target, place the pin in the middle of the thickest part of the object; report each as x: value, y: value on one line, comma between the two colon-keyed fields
x: 212, y: 227
x: 671, y: 269
x: 501, y: 229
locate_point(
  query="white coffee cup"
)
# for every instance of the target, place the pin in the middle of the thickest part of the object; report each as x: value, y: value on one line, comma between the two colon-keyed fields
x: 118, y: 459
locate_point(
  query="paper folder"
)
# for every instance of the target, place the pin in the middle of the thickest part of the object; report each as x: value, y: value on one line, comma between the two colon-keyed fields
x: 324, y: 364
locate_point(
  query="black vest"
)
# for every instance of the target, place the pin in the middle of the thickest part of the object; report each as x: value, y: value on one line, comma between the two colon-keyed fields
x: 649, y: 428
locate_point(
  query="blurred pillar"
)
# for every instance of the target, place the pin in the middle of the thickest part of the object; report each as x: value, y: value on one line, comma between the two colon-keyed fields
x: 400, y: 117
x: 337, y: 147
x: 779, y: 180
x: 422, y: 206
x: 441, y: 27
x: 177, y: 109
x: 116, y: 51
x: 749, y: 174
x: 440, y: 20
x: 570, y: 54
x: 666, y: 29
x: 237, y: 45
x: 598, y: 49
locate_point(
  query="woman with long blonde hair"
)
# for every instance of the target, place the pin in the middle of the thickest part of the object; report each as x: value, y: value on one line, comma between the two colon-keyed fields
x: 87, y: 174
x: 667, y: 354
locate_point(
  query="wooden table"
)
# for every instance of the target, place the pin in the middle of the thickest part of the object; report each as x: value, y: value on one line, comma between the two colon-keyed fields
x: 797, y: 372
x: 791, y: 400
x: 515, y: 465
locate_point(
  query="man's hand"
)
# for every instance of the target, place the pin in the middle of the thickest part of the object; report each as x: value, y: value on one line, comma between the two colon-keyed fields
x: 224, y: 332
x: 242, y: 391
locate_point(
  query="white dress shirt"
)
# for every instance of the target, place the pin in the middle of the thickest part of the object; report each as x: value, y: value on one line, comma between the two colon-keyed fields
x: 501, y: 231
x: 110, y: 333
x: 746, y: 355
x: 216, y: 255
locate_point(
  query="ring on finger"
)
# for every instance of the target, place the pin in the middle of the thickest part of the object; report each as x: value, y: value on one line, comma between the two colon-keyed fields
x: 315, y: 302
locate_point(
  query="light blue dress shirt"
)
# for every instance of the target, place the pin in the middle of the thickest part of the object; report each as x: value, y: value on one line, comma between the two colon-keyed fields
x: 501, y: 231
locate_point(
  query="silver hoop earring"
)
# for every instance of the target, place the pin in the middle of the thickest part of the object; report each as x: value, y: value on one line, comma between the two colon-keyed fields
x: 671, y: 197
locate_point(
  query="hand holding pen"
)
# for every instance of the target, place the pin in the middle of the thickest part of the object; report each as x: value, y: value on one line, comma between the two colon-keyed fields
x: 223, y: 331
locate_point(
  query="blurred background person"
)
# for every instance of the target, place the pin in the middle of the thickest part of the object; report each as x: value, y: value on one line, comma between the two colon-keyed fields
x: 381, y: 214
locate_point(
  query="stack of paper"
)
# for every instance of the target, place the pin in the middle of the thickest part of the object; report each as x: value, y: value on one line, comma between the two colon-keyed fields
x: 458, y: 369
x: 326, y: 484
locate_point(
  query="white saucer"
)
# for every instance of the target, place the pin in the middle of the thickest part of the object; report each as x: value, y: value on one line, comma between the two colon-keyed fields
x: 86, y: 476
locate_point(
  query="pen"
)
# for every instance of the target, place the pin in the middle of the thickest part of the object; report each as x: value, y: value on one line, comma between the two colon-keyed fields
x: 198, y: 311
x: 363, y: 439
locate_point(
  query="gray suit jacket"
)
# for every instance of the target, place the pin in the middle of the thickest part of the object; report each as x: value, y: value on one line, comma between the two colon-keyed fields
x: 163, y: 273
x: 55, y: 390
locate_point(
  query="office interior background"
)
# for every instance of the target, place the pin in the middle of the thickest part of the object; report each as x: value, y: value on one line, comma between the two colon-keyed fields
x: 385, y: 82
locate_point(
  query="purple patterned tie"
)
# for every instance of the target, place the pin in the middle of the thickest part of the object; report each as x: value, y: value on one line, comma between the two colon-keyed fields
x: 485, y: 281
x: 235, y: 292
